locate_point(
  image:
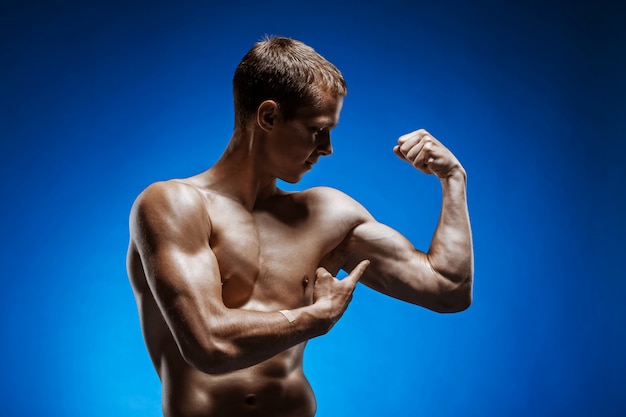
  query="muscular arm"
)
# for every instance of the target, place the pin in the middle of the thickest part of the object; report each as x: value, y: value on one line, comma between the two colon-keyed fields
x: 440, y: 279
x: 171, y: 229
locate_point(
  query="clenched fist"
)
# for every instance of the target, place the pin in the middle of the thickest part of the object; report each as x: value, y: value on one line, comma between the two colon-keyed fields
x: 427, y: 154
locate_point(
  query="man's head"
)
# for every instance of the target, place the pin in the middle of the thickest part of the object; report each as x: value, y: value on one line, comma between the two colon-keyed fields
x: 286, y: 71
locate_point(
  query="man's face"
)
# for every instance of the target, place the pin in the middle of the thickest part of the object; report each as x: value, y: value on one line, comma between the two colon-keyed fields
x: 298, y: 143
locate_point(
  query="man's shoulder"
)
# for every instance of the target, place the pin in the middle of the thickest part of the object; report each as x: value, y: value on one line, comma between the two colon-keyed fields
x: 168, y: 198
x: 171, y: 214
x: 325, y: 194
x: 330, y: 195
x: 175, y: 190
x: 334, y: 203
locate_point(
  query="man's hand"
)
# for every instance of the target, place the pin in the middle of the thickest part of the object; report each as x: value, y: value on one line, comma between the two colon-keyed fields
x: 331, y: 296
x: 427, y: 154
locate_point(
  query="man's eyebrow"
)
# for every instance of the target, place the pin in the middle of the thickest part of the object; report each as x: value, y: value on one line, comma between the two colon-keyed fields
x: 326, y: 122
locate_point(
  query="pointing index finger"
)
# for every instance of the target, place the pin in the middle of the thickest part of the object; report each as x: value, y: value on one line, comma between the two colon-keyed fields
x: 357, y: 272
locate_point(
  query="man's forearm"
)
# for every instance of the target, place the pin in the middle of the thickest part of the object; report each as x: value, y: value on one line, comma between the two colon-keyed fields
x: 230, y: 339
x: 238, y: 338
x: 451, y: 253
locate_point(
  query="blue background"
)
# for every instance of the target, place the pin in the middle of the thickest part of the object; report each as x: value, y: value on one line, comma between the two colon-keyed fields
x: 99, y: 99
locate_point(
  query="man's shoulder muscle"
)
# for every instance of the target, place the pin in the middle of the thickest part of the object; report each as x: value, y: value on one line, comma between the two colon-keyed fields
x: 336, y: 204
x: 169, y: 207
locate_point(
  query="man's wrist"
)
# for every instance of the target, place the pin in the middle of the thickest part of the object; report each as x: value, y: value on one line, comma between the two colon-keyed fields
x: 307, y: 319
x: 456, y: 174
x: 317, y: 319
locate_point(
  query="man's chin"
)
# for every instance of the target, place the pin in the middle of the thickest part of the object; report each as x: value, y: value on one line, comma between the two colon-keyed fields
x: 292, y: 179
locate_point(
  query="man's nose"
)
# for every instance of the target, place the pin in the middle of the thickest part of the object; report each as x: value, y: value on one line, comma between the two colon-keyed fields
x: 325, y: 148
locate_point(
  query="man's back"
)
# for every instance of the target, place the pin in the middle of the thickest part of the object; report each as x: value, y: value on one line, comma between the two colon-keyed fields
x: 267, y: 260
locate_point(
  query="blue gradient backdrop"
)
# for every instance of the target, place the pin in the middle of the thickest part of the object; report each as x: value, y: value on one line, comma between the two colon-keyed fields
x: 100, y: 98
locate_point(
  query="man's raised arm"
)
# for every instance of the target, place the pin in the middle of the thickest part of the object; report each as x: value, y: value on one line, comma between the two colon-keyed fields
x: 442, y: 278
x: 170, y: 228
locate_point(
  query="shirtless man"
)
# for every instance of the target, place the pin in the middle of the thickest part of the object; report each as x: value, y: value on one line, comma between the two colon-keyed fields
x: 232, y: 275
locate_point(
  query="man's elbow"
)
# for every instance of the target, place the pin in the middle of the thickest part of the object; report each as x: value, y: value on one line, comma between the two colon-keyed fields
x: 456, y: 298
x: 209, y: 357
x: 461, y: 303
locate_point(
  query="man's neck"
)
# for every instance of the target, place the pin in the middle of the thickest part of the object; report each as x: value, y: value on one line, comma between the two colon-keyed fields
x: 238, y: 173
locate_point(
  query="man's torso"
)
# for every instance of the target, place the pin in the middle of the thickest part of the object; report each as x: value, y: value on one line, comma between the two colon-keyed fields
x: 267, y: 260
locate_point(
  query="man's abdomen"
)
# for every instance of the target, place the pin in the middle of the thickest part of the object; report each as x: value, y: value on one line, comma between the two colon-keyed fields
x: 276, y: 387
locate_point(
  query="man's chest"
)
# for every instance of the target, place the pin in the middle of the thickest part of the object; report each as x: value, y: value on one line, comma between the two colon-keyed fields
x: 268, y: 261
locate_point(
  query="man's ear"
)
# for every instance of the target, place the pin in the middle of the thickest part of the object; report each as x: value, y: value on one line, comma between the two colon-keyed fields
x: 266, y: 114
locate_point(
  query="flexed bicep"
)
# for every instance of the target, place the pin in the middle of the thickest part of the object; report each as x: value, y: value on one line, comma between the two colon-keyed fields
x: 398, y: 269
